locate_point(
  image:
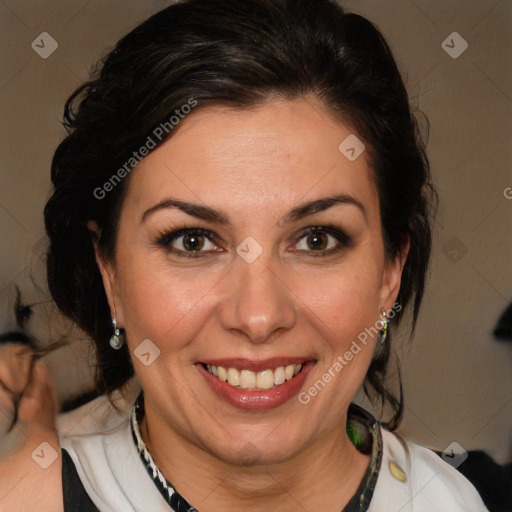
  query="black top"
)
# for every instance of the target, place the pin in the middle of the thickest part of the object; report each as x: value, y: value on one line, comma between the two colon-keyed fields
x: 362, y: 429
x: 75, y: 497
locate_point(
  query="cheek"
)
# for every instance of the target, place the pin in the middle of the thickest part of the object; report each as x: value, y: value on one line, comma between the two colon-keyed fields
x: 344, y: 302
x: 159, y: 304
x: 171, y: 307
x: 343, y: 308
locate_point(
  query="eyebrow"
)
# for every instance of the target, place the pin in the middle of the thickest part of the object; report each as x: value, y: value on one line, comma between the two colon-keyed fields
x: 217, y: 216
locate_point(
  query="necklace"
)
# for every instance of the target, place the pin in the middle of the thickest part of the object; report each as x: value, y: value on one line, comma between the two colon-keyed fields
x: 173, y: 498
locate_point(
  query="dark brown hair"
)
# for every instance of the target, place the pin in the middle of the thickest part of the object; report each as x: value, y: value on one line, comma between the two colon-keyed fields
x: 238, y: 53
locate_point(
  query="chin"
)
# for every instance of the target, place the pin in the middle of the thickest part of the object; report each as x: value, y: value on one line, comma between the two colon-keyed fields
x: 252, y: 449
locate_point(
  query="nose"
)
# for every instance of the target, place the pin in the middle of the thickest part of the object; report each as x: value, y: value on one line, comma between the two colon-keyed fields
x: 258, y: 302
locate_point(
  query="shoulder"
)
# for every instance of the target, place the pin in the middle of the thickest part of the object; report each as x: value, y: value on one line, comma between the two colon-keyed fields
x: 31, y: 479
x: 414, y: 478
x: 100, y: 446
x: 87, y: 435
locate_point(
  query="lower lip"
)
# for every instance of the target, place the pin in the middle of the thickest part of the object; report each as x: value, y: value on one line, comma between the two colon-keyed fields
x: 257, y: 399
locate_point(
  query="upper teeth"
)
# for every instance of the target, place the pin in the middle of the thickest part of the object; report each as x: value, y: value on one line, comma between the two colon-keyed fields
x: 246, y: 379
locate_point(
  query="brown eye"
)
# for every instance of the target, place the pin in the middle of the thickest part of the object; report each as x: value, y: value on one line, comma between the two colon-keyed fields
x: 189, y: 242
x: 193, y: 242
x: 320, y: 241
x: 317, y: 241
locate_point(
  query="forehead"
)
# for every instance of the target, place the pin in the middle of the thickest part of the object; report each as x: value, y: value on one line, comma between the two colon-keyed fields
x: 271, y: 156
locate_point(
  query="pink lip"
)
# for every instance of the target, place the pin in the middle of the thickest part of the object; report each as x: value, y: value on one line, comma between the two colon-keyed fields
x: 261, y: 399
x: 256, y: 366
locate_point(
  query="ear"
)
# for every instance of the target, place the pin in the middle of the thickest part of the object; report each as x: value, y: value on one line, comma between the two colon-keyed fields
x: 392, y: 276
x: 109, y: 276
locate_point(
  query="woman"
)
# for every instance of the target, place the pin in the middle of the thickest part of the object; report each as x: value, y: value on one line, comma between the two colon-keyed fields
x: 241, y: 207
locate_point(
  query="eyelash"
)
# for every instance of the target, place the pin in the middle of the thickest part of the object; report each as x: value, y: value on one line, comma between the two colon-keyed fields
x: 344, y: 241
x: 164, y: 239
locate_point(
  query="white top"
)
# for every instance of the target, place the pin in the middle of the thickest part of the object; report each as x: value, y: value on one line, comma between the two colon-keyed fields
x: 100, y: 443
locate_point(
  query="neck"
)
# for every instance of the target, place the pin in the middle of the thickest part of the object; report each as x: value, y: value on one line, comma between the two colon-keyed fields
x: 324, y: 476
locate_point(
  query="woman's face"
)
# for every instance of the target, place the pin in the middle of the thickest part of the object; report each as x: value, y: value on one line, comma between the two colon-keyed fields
x: 251, y: 287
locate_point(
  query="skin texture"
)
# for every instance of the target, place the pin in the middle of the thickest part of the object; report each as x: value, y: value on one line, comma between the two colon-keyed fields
x: 255, y: 166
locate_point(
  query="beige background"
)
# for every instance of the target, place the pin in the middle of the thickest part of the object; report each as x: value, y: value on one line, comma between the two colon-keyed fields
x: 457, y: 379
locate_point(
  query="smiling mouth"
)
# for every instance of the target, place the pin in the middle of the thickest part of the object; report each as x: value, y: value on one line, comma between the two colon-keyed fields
x: 257, y: 381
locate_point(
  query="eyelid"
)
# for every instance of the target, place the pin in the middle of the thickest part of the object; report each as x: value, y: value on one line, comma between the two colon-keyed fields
x: 166, y: 237
x: 329, y: 229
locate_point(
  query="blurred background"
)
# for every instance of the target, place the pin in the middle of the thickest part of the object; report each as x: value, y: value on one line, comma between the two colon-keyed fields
x: 455, y: 58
